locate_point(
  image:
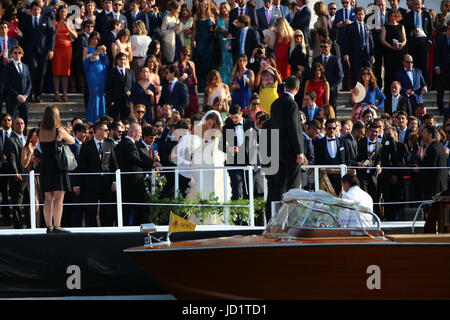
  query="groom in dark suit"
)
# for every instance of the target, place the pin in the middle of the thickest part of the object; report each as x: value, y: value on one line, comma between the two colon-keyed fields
x: 285, y: 122
x: 239, y: 142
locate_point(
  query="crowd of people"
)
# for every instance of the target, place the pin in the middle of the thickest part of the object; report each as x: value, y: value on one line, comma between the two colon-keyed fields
x: 143, y: 67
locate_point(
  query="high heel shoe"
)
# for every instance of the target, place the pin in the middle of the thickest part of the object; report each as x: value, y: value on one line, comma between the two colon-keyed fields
x: 57, y: 97
x: 50, y: 229
x: 60, y: 230
x: 64, y: 97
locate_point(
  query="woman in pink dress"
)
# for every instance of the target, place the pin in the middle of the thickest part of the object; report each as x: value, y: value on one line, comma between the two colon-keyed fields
x: 319, y: 84
x: 153, y: 66
x: 284, y: 36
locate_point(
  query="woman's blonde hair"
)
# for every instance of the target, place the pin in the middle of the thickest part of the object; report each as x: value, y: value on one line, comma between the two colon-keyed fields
x: 140, y: 26
x: 284, y: 30
x: 328, y: 112
x: 298, y: 31
x: 51, y: 119
x: 209, y: 81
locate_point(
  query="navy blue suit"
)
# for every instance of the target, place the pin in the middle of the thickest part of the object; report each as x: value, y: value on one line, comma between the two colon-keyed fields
x: 315, y: 113
x: 251, y: 41
x: 178, y: 98
x: 442, y: 60
x: 262, y: 19
x: 234, y: 13
x: 118, y: 90
x: 301, y: 21
x: 102, y: 23
x: 10, y: 43
x: 16, y: 84
x: 340, y: 39
x: 122, y: 19
x: 359, y: 54
x: 417, y: 86
x: 139, y: 16
x: 37, y: 42
x: 154, y: 22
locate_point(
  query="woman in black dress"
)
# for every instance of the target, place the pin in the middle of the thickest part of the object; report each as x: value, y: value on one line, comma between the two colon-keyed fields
x: 54, y: 183
x: 143, y: 92
x: 393, y: 37
x: 299, y: 61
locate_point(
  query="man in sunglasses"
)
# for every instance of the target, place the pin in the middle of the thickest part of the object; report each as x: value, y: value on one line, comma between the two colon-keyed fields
x: 412, y: 82
x: 331, y: 150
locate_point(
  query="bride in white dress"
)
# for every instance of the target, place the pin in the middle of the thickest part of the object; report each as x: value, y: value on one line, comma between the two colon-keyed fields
x: 208, y: 155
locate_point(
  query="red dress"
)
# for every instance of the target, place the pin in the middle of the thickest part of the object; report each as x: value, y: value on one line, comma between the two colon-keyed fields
x: 62, y: 56
x: 282, y: 57
x: 319, y: 89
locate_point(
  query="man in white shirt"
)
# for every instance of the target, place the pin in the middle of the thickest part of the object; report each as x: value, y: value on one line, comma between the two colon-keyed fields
x: 352, y: 191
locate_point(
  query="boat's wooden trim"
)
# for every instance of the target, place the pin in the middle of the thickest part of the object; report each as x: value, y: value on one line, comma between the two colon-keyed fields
x: 419, y: 237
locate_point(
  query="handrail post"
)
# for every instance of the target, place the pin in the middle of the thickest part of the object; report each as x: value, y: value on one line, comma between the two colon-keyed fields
x: 153, y: 182
x: 250, y: 196
x: 119, y: 198
x: 226, y: 209
x: 266, y: 190
x: 316, y: 179
x: 177, y: 184
x: 343, y: 169
x: 32, y: 201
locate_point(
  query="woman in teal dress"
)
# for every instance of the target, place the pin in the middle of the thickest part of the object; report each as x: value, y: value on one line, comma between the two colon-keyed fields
x: 225, y: 45
x: 95, y: 65
x: 204, y: 53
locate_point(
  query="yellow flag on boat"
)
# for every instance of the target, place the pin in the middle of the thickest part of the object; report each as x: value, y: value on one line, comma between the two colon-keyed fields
x: 178, y: 224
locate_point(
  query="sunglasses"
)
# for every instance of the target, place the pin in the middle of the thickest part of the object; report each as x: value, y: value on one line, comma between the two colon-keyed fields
x: 140, y: 111
x: 323, y: 47
x: 298, y: 36
x: 365, y: 74
x: 332, y: 8
x: 17, y: 52
x: 331, y: 128
x: 256, y: 103
x: 117, y: 4
x: 409, y: 62
x: 7, y: 120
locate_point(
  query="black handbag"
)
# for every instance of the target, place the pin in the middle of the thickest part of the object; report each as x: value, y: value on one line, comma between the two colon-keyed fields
x: 64, y: 157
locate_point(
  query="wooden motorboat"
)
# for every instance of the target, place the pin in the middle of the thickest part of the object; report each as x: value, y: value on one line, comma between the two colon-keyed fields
x: 316, y: 247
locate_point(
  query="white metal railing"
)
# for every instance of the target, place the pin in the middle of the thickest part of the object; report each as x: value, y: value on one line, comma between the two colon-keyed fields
x: 176, y: 170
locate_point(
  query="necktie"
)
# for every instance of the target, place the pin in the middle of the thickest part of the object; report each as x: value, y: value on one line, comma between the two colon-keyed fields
x: 417, y: 20
x: 35, y: 22
x: 19, y: 65
x: 22, y: 140
x: 362, y: 34
x: 134, y: 15
x: 241, y: 11
x: 345, y: 15
x: 170, y: 87
x: 122, y: 71
x: 151, y: 151
x: 100, y: 150
x: 268, y: 16
x: 242, y: 43
x: 325, y: 60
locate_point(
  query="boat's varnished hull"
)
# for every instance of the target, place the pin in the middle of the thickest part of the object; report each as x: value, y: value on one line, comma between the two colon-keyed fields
x: 263, y: 268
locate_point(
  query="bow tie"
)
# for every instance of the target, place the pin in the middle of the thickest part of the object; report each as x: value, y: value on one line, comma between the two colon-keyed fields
x: 331, y: 139
x: 409, y: 71
x: 372, y: 143
x: 239, y: 124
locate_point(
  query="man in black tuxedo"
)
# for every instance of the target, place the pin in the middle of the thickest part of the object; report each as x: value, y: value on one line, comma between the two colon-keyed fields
x: 5, y: 132
x: 240, y: 10
x: 419, y: 33
x: 17, y: 183
x: 110, y: 36
x: 117, y: 13
x: 174, y: 92
x: 357, y: 131
x: 358, y: 47
x: 77, y: 70
x: 97, y: 156
x: 442, y: 67
x: 114, y: 133
x: 311, y: 133
x: 239, y: 142
x: 134, y: 14
x: 333, y: 69
x: 6, y: 43
x: 302, y: 19
x: 119, y: 82
x: 133, y: 185
x: 18, y: 86
x: 38, y: 43
x: 285, y: 123
x: 246, y: 40
x: 369, y: 155
x: 397, y: 102
x: 331, y: 150
x: 433, y: 181
x: 102, y: 19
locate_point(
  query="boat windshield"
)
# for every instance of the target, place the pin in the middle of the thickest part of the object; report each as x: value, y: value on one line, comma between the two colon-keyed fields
x: 320, y: 210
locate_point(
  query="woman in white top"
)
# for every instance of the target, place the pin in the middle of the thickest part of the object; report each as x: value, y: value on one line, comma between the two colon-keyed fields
x: 170, y: 28
x: 186, y: 22
x: 139, y: 45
